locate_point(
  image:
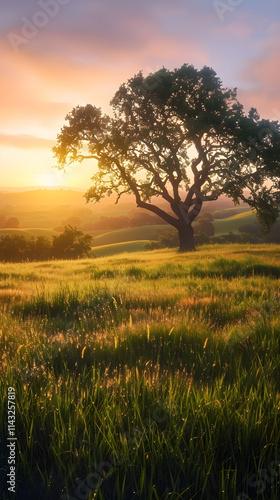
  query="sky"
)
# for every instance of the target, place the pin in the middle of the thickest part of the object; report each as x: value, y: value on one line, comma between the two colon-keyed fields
x: 57, y: 54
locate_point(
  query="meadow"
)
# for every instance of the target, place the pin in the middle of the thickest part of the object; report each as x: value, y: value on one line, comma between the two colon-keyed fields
x: 45, y: 213
x: 234, y: 222
x: 145, y: 376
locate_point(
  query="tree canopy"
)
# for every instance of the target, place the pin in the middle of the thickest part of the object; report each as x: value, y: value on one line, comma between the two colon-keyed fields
x: 178, y: 136
x: 71, y: 244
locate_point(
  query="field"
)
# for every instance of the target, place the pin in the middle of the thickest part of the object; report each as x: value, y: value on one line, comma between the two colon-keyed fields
x: 145, y: 376
x: 233, y: 223
x: 110, y: 242
x: 116, y: 248
x: 44, y: 212
x: 140, y: 233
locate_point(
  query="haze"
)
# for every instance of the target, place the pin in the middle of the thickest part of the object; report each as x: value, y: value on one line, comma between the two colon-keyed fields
x: 58, y: 54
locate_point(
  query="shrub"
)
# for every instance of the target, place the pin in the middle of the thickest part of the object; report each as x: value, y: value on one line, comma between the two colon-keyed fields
x: 71, y: 244
x: 15, y: 248
x: 13, y: 222
x: 204, y: 226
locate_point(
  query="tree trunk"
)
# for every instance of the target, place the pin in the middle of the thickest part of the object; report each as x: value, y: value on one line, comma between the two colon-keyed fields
x: 186, y: 238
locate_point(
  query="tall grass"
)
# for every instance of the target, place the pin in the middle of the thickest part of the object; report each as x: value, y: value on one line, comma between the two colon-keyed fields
x: 144, y: 376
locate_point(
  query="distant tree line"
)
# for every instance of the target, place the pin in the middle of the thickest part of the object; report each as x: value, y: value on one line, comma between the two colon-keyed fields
x: 204, y: 234
x: 71, y: 244
x: 122, y: 222
x: 137, y: 219
x: 133, y: 219
x: 10, y: 223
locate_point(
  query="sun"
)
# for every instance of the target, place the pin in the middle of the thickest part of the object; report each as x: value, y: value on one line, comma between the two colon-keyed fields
x: 48, y: 180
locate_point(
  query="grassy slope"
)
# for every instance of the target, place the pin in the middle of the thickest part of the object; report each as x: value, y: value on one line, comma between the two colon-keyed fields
x: 39, y: 212
x: 148, y: 375
x: 233, y: 223
x: 141, y: 233
x: 129, y: 234
x: 114, y: 249
x: 104, y: 240
x: 28, y: 232
x: 235, y: 210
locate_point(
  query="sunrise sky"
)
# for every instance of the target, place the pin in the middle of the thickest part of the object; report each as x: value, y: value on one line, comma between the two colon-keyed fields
x: 57, y: 54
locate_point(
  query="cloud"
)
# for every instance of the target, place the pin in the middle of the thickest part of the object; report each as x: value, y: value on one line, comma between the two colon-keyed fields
x: 238, y: 30
x: 26, y: 101
x: 111, y: 29
x: 25, y: 141
x: 262, y: 76
x: 83, y: 55
x: 81, y: 59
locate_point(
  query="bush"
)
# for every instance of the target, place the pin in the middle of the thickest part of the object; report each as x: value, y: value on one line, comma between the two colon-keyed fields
x: 42, y: 248
x: 2, y: 220
x: 274, y: 234
x: 15, y: 248
x: 253, y: 229
x: 13, y: 223
x: 71, y: 244
x: 171, y: 240
x: 234, y: 238
x: 204, y: 226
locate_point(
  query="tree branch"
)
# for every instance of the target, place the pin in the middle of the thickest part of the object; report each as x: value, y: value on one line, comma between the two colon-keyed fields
x: 142, y: 204
x: 161, y: 213
x: 87, y: 157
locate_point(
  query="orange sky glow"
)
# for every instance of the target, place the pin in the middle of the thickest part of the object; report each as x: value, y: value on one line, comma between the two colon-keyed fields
x: 76, y: 56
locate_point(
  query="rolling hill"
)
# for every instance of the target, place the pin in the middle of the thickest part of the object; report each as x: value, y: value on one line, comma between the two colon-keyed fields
x: 128, y: 234
x: 46, y: 212
x: 233, y: 223
x: 28, y: 232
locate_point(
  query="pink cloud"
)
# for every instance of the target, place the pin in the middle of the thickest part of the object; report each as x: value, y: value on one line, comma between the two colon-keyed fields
x: 46, y: 81
x: 25, y: 141
x: 240, y: 30
x: 267, y: 106
x: 262, y: 75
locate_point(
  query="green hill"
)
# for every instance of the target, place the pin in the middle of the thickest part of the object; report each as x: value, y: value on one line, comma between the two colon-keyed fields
x: 114, y: 249
x: 229, y: 212
x: 128, y: 234
x: 28, y: 232
x: 233, y: 223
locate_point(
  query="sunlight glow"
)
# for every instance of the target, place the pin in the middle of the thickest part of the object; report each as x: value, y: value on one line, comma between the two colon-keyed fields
x: 48, y: 180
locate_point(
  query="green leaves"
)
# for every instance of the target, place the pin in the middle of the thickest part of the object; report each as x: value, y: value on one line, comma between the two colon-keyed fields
x: 266, y: 210
x: 85, y: 124
x: 172, y: 126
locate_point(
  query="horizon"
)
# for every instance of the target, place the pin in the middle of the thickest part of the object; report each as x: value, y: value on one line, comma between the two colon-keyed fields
x: 40, y: 188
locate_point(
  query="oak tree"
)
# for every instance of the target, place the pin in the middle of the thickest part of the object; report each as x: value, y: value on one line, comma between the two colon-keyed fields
x: 179, y: 137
